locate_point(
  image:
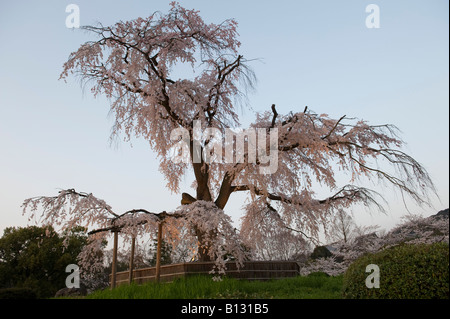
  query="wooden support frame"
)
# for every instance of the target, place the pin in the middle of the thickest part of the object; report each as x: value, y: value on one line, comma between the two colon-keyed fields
x: 114, y: 261
x: 158, y: 252
x: 116, y: 231
x: 133, y: 243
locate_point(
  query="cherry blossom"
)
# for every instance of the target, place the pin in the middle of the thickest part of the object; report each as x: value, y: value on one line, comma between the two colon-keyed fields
x: 134, y: 64
x: 414, y: 229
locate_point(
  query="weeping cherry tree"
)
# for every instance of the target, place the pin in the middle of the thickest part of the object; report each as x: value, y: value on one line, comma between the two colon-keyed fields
x: 189, y: 123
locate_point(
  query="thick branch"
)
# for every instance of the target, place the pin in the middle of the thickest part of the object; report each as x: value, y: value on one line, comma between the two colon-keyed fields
x: 226, y: 189
x: 187, y: 199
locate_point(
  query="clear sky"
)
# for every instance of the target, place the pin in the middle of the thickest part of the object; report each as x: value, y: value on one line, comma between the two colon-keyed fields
x: 54, y: 135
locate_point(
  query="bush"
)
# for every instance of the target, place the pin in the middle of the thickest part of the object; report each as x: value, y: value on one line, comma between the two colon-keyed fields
x: 406, y: 272
x: 318, y: 274
x: 320, y: 252
x: 17, y: 293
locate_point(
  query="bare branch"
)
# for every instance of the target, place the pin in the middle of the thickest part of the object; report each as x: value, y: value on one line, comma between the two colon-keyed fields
x: 275, y: 115
x: 334, y: 128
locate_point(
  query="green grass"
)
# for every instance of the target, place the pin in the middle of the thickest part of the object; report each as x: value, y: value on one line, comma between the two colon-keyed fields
x: 203, y: 287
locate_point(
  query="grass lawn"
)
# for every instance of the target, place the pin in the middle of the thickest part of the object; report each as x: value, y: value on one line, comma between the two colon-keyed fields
x: 315, y: 286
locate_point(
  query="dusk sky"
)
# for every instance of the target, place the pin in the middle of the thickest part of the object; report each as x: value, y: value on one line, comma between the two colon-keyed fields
x: 55, y: 135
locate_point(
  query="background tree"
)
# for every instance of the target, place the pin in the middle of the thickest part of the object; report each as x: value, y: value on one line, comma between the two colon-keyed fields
x: 272, y: 239
x: 342, y: 227
x: 35, y: 257
x: 135, y: 63
x: 166, y: 253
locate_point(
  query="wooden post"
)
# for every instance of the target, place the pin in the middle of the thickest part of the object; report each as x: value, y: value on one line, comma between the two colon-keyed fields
x: 158, y: 252
x: 114, y: 261
x: 130, y: 279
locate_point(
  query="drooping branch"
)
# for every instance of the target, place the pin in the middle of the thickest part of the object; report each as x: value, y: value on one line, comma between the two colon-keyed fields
x: 316, y: 141
x: 352, y: 146
x: 286, y: 226
x: 71, y: 208
x: 347, y: 193
x: 117, y: 226
x: 413, y: 179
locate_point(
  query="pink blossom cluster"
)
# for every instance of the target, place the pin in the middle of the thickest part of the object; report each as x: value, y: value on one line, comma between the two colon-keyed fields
x: 414, y: 230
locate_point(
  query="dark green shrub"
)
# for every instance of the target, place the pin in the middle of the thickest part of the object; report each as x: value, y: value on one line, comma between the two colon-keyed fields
x: 318, y: 274
x: 17, y: 293
x: 320, y: 252
x: 406, y: 272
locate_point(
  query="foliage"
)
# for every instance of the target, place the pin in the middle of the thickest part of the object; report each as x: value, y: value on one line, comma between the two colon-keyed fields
x: 268, y: 239
x: 202, y: 287
x: 406, y: 272
x: 320, y: 252
x: 343, y: 228
x: 166, y: 252
x: 36, y: 258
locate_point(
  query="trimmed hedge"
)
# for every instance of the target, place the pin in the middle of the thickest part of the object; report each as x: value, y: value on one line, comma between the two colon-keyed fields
x: 406, y: 272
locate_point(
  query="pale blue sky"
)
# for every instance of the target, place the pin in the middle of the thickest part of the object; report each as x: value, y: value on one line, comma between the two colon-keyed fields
x: 316, y: 53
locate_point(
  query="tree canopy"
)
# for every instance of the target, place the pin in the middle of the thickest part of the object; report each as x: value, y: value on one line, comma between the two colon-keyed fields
x: 37, y: 257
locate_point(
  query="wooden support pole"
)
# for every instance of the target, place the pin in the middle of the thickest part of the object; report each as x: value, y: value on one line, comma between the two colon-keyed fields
x: 133, y: 241
x: 114, y: 261
x: 158, y: 252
